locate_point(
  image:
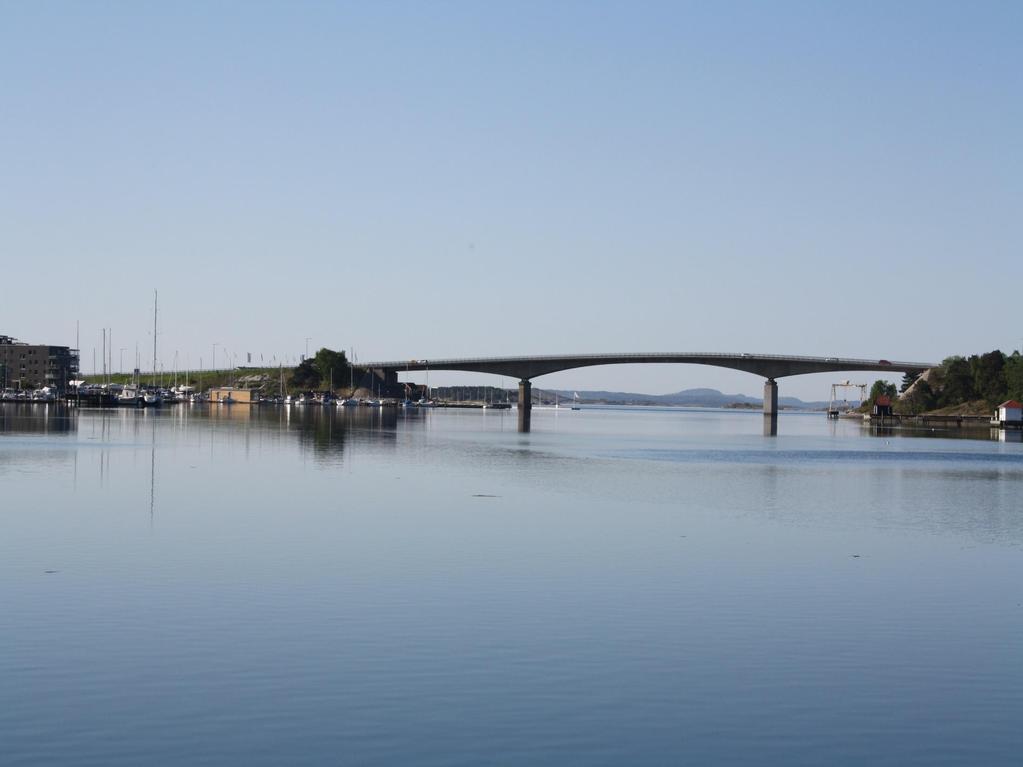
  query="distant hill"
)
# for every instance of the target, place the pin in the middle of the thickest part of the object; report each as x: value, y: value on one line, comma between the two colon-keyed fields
x: 687, y: 398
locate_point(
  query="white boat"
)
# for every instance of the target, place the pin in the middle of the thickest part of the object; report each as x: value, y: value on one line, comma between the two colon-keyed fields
x: 129, y: 397
x: 46, y: 394
x: 184, y: 393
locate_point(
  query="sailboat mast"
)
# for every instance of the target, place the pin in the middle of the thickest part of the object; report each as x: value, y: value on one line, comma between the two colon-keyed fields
x: 154, y: 337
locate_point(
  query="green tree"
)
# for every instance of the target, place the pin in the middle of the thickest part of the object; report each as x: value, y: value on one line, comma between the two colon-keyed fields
x: 886, y: 388
x: 957, y: 375
x: 1014, y: 377
x: 989, y: 376
x: 919, y: 400
x: 332, y: 366
x: 908, y: 379
x: 305, y: 377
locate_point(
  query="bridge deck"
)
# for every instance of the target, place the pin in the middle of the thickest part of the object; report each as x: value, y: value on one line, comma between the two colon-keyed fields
x: 768, y: 365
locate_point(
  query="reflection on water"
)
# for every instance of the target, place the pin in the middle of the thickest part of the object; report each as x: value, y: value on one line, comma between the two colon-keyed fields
x: 260, y: 586
x: 48, y: 418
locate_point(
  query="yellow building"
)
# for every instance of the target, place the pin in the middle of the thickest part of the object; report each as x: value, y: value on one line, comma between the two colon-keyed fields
x: 230, y: 395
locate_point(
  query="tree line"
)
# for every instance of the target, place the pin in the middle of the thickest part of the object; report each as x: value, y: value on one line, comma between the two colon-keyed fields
x: 989, y: 379
x: 325, y: 367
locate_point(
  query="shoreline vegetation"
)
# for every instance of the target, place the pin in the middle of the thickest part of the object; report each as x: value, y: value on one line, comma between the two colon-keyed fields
x: 959, y: 386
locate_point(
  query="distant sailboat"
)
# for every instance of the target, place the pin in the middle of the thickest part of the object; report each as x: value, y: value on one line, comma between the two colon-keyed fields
x: 152, y: 397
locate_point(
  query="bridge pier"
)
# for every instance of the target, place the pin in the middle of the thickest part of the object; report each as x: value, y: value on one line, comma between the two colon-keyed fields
x: 770, y: 397
x: 770, y: 408
x: 525, y: 403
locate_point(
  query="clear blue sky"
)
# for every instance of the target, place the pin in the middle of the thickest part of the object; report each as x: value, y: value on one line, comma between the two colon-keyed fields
x: 445, y: 179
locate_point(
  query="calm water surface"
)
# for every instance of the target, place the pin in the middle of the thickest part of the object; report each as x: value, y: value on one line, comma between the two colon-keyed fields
x: 268, y: 587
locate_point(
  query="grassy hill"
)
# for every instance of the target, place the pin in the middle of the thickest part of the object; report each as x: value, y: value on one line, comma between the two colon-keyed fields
x: 268, y: 379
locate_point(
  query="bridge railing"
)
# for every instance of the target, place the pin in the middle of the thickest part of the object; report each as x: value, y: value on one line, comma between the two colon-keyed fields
x: 667, y: 356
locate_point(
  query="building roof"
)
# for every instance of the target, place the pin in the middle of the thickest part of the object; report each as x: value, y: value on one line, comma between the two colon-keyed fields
x: 1012, y: 404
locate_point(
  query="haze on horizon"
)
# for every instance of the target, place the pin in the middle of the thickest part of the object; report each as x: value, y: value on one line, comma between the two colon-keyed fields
x: 423, y: 180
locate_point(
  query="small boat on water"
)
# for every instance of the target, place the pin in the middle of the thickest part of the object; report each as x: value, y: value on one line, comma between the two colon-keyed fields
x: 130, y: 397
x: 46, y: 394
x: 183, y: 393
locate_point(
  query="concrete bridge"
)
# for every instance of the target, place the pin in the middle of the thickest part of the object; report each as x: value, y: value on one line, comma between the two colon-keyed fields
x: 770, y: 366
